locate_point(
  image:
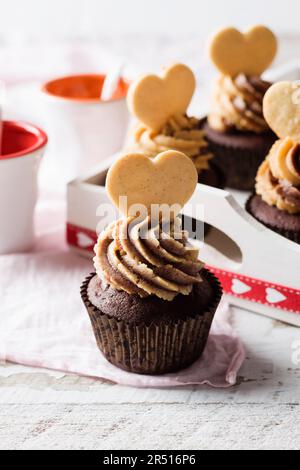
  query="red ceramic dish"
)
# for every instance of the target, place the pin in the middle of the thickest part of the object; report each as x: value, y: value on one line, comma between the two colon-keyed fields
x: 82, y: 88
x: 20, y: 139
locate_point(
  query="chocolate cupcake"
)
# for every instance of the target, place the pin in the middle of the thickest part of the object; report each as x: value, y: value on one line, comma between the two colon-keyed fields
x: 151, y: 301
x: 238, y: 134
x: 160, y: 105
x: 276, y: 203
x: 156, y: 330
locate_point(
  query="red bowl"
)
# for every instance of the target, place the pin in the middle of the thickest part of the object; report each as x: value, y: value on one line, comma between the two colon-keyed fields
x: 19, y: 139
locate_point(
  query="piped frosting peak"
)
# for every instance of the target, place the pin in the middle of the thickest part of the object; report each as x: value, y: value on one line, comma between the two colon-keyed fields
x: 144, y: 259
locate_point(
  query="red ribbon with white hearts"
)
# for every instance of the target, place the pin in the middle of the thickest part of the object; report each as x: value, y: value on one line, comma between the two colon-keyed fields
x: 256, y: 290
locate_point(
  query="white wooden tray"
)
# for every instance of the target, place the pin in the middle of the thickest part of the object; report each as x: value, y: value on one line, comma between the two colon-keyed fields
x: 259, y: 269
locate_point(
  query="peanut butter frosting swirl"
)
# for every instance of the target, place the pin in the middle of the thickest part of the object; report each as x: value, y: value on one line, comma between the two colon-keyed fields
x: 139, y: 258
x: 278, y: 178
x: 181, y: 133
x: 238, y: 104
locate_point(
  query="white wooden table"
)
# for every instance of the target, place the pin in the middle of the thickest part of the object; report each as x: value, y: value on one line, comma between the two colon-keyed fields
x: 42, y: 409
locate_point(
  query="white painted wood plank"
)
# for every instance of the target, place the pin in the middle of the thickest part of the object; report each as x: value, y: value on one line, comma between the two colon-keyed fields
x: 159, y: 426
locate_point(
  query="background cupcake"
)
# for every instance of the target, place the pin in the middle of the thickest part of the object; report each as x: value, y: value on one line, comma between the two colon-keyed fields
x: 277, y: 200
x: 160, y: 105
x: 236, y: 129
x: 151, y: 302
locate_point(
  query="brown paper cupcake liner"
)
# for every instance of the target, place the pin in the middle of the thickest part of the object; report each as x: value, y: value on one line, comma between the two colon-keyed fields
x: 292, y: 235
x: 238, y: 160
x: 240, y: 164
x: 214, y: 177
x: 153, y: 349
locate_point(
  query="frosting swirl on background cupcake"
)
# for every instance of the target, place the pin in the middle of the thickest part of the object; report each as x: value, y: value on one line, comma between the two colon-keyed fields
x: 278, y: 178
x: 137, y: 258
x: 181, y: 133
x: 238, y: 104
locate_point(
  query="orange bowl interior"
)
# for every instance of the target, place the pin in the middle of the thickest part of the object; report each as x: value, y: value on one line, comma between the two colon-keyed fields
x: 83, y: 88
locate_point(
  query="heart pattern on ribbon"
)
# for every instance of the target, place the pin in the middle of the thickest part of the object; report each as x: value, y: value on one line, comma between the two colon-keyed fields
x: 239, y: 287
x: 84, y: 241
x: 273, y: 296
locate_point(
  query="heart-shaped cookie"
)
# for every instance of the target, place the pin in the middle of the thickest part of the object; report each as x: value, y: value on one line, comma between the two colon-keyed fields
x: 282, y: 109
x: 250, y: 53
x: 170, y: 178
x: 153, y: 100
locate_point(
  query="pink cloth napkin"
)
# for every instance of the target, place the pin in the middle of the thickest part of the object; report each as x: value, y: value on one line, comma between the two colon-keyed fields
x: 43, y: 322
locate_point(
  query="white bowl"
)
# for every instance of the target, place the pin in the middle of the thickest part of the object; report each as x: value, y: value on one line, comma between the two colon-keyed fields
x: 82, y: 129
x: 22, y: 149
